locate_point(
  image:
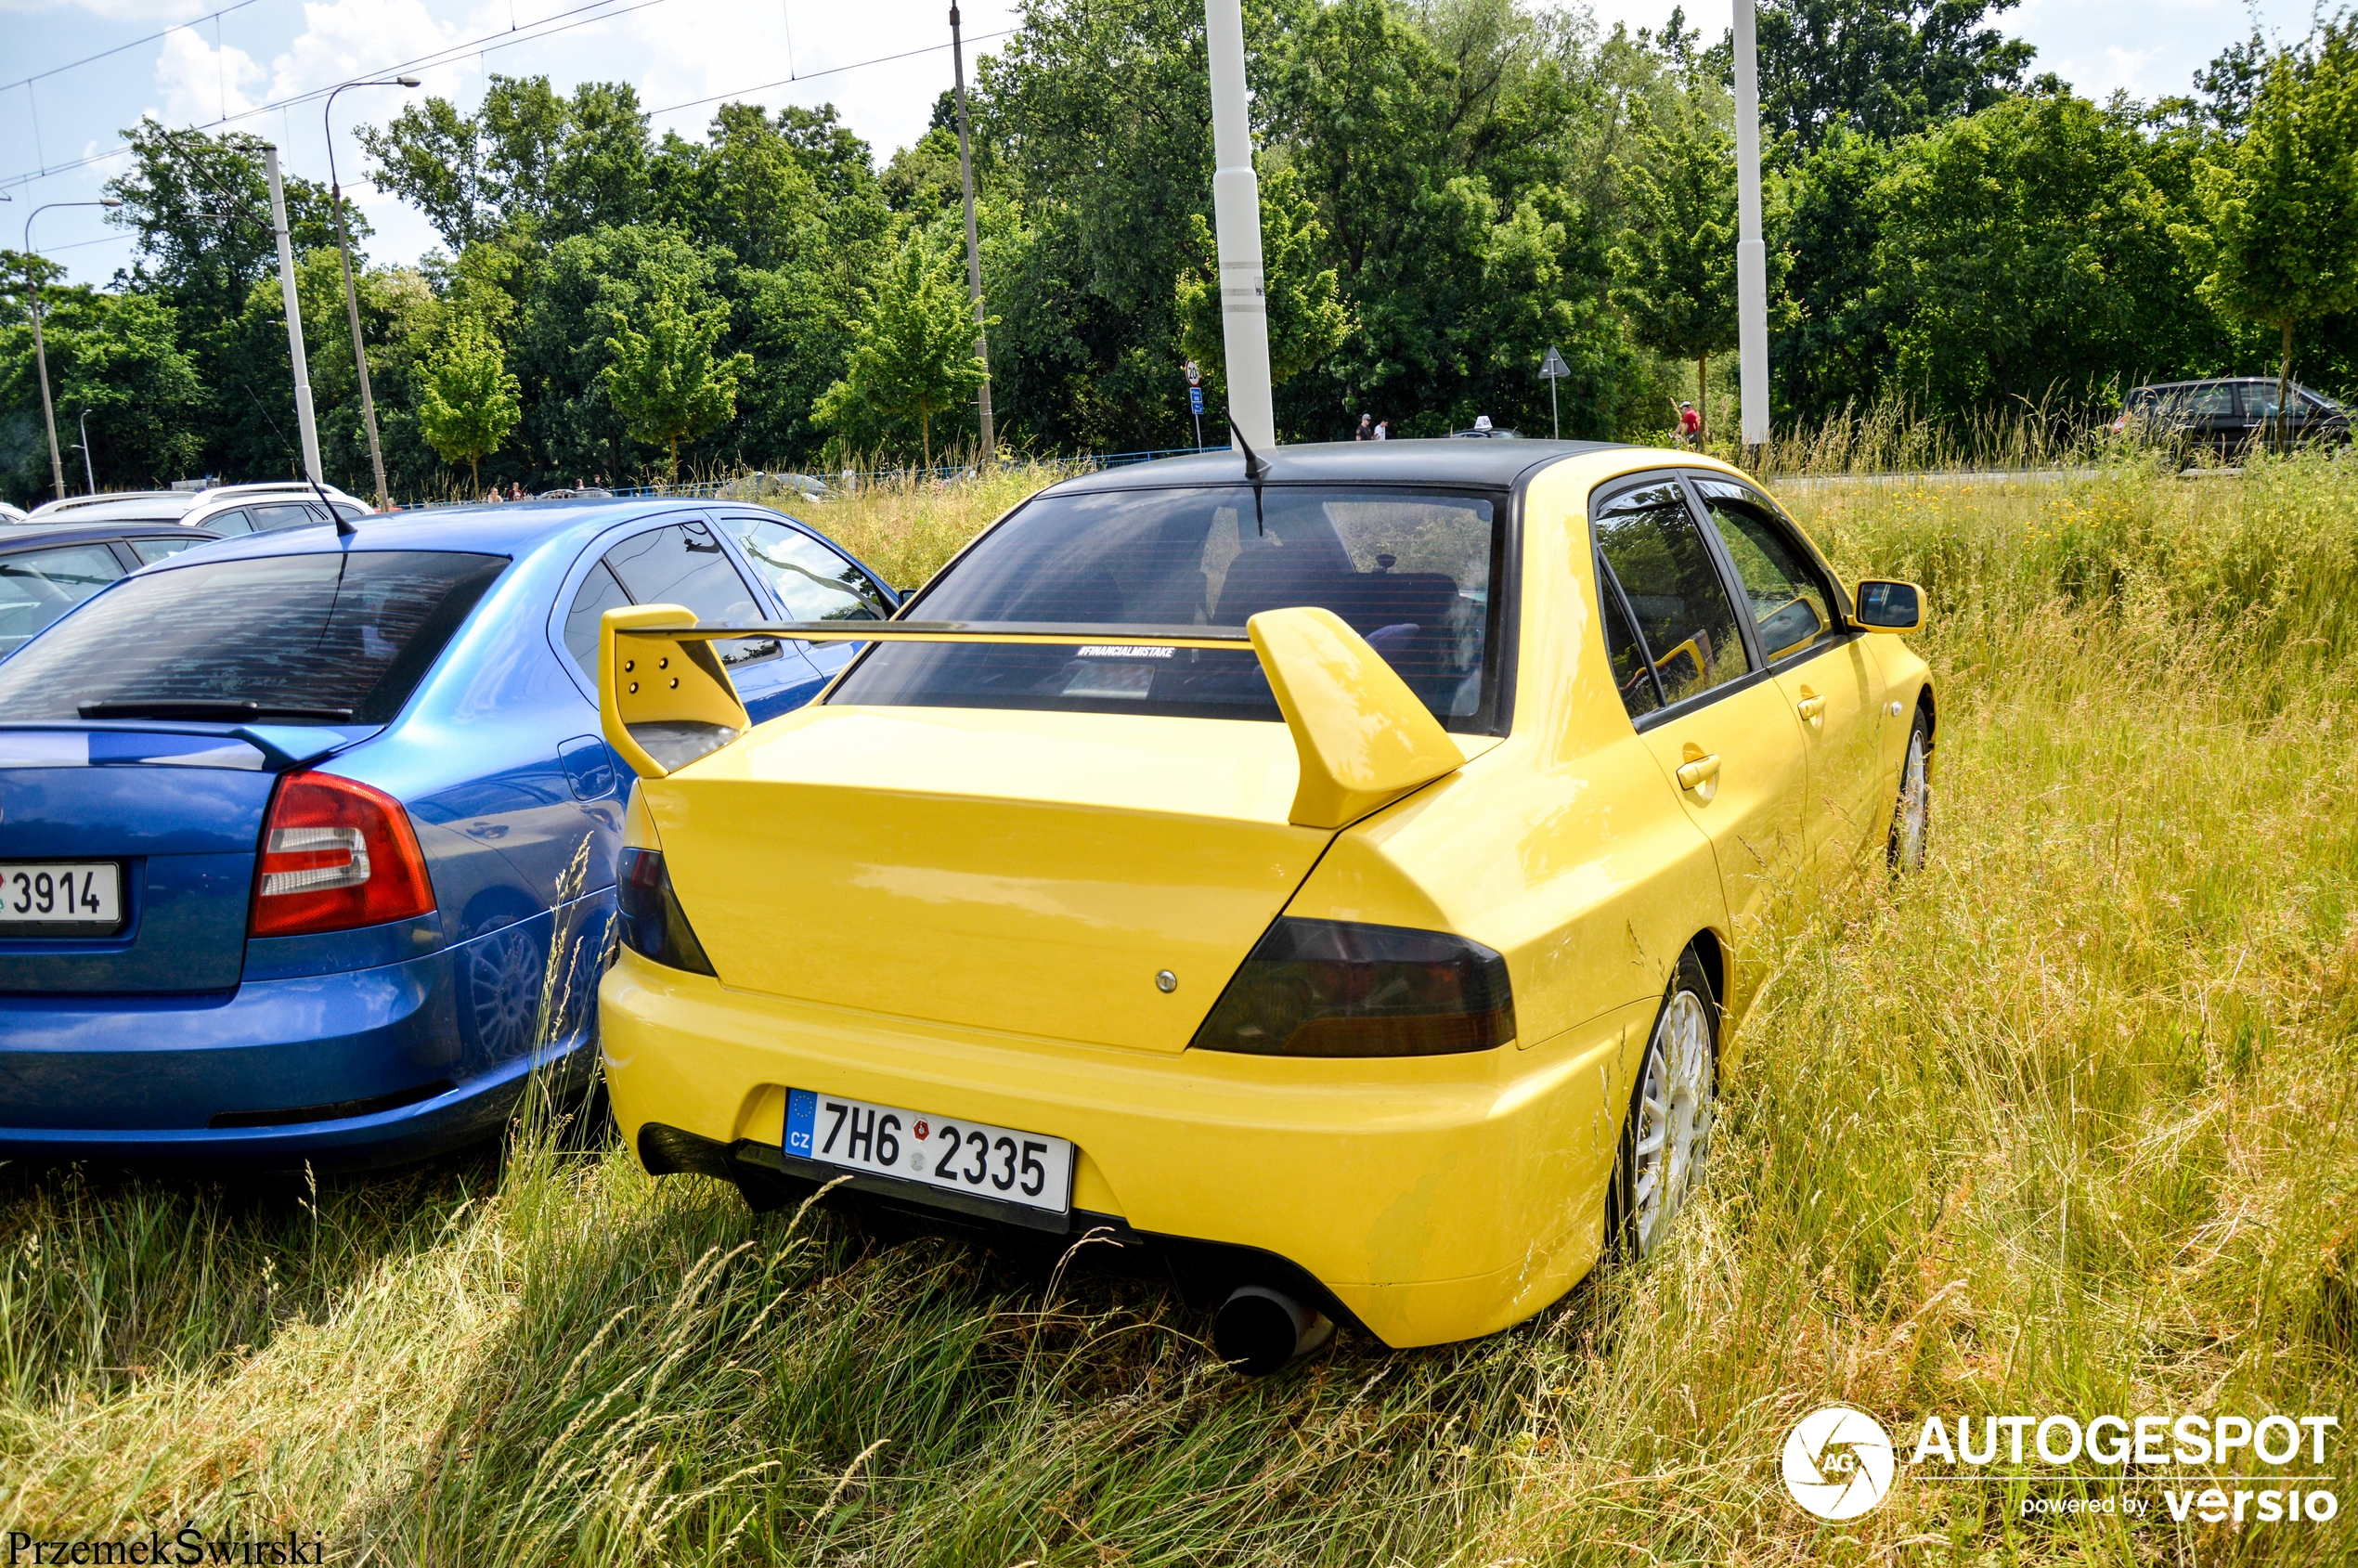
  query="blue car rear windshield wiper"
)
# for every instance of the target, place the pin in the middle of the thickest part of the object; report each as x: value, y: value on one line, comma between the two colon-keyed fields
x: 207, y: 708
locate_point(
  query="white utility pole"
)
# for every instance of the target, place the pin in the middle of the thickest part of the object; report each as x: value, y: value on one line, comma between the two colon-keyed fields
x: 1236, y: 212
x: 294, y: 317
x: 1752, y: 254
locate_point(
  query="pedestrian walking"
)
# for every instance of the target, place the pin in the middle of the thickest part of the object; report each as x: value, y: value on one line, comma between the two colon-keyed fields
x: 1367, y: 431
x: 1689, y: 426
x: 1384, y: 430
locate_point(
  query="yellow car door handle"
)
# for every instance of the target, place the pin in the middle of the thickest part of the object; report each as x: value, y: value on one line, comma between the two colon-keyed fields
x: 1699, y: 772
x: 1811, y: 706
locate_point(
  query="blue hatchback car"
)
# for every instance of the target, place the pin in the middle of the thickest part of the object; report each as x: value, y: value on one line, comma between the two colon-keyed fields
x: 286, y: 821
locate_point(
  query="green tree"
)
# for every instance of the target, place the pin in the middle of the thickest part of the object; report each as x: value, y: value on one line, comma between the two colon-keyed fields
x: 664, y: 378
x: 528, y: 156
x: 467, y: 397
x: 913, y: 354
x: 2025, y: 254
x: 112, y: 355
x: 1307, y: 317
x: 1831, y: 351
x: 2282, y: 246
x: 1887, y: 67
x: 198, y: 206
x: 1674, y: 265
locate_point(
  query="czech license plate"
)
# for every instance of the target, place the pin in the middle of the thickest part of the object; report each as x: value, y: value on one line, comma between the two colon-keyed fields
x: 59, y: 897
x: 946, y: 1153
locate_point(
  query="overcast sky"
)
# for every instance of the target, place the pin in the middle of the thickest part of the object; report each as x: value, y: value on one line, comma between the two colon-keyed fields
x: 676, y: 52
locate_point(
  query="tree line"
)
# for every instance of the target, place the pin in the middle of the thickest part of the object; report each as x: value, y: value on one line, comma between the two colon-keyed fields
x: 1449, y: 187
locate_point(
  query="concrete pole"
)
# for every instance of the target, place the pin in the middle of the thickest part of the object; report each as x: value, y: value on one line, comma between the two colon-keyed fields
x: 294, y: 317
x: 352, y: 300
x: 1235, y: 211
x: 40, y: 350
x: 1752, y: 254
x: 49, y: 413
x: 974, y: 244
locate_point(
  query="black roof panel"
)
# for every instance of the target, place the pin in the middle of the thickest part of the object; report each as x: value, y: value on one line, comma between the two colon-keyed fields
x: 1490, y: 465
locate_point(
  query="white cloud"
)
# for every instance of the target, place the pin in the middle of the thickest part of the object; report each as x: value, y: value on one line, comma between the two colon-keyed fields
x: 348, y: 38
x: 200, y: 84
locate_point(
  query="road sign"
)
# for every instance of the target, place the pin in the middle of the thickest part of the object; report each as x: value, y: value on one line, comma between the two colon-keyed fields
x: 1195, y: 376
x: 1195, y: 400
x: 1553, y: 367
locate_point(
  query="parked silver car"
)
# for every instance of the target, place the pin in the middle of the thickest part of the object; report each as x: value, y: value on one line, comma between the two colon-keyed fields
x: 224, y: 509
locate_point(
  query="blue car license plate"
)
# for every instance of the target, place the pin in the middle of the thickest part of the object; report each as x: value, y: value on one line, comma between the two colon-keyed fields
x: 60, y: 898
x: 946, y: 1153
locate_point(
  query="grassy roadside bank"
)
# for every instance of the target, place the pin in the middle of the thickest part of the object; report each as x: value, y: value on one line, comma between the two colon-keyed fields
x: 2065, y: 1125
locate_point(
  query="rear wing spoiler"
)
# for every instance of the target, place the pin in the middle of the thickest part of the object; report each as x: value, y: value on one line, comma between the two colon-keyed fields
x: 1363, y: 738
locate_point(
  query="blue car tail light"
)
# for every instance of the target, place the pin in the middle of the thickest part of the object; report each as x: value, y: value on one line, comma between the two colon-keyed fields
x: 1336, y: 988
x: 336, y: 854
x: 654, y: 925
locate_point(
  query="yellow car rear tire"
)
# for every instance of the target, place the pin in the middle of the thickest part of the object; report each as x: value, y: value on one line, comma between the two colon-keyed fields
x: 1665, y: 1139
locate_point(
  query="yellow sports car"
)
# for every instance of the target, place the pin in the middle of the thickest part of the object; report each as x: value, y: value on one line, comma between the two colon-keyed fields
x: 1335, y: 872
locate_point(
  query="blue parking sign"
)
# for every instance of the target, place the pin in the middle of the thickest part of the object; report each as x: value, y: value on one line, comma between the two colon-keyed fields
x: 1195, y: 400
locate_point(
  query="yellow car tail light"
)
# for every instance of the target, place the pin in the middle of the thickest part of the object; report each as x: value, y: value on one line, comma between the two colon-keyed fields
x: 654, y: 925
x: 1334, y: 988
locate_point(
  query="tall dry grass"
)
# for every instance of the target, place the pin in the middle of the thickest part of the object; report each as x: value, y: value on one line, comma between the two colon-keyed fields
x: 2062, y: 1125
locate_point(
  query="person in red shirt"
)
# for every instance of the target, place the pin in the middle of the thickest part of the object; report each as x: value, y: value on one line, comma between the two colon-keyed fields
x: 1689, y: 426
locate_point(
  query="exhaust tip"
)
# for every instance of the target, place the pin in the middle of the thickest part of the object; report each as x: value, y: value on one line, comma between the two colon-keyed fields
x: 1259, y: 1330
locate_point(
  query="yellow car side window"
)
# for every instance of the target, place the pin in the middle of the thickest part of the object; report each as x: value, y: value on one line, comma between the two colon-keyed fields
x: 1685, y: 624
x: 1789, y: 603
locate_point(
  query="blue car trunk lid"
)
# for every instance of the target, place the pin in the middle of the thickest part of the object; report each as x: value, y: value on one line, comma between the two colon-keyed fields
x: 179, y: 810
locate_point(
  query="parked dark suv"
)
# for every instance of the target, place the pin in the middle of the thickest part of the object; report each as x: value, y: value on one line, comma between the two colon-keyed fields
x: 2228, y: 413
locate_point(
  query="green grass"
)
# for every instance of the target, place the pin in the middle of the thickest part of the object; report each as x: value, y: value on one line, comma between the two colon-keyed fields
x: 2064, y: 1123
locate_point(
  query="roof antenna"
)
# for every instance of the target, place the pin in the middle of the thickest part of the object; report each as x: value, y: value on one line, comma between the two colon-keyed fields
x: 344, y: 529
x: 1256, y: 470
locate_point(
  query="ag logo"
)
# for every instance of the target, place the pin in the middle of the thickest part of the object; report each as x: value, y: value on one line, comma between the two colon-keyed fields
x: 1838, y: 1462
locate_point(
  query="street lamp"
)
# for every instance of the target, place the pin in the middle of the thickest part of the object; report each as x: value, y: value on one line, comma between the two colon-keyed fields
x: 352, y: 300
x: 88, y: 475
x: 40, y: 355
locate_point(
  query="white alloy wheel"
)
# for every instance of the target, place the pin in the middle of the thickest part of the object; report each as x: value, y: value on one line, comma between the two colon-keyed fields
x: 1671, y: 1118
x: 1912, y: 827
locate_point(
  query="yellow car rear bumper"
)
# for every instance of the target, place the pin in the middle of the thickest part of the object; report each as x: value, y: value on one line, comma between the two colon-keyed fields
x: 1435, y: 1198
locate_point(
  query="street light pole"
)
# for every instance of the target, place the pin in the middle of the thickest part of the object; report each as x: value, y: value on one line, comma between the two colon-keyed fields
x: 40, y: 353
x: 1752, y: 254
x: 88, y: 475
x: 352, y: 300
x: 1235, y: 212
x: 974, y: 245
x: 304, y: 421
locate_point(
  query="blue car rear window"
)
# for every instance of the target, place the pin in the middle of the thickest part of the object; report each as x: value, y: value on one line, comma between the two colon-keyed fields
x: 1410, y: 570
x: 282, y: 639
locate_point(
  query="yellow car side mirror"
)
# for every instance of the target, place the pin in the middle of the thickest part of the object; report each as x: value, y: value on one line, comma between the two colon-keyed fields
x: 1886, y: 606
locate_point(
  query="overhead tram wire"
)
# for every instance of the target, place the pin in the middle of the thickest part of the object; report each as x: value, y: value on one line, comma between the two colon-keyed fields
x: 87, y: 59
x: 476, y: 46
x: 814, y: 75
x: 445, y: 56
